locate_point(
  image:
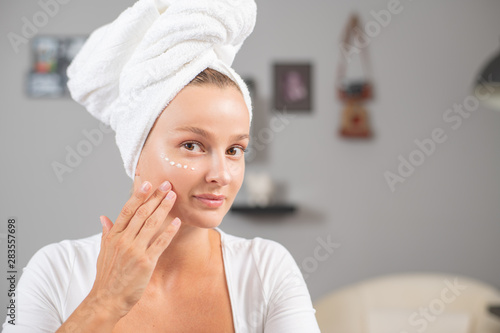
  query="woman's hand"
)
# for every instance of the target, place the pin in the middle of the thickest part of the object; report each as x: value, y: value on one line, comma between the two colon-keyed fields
x: 131, y: 247
x: 129, y: 252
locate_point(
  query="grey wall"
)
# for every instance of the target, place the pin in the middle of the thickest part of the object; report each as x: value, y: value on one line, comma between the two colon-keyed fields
x: 445, y: 217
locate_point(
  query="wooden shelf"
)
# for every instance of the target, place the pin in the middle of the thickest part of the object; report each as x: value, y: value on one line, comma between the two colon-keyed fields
x: 274, y: 209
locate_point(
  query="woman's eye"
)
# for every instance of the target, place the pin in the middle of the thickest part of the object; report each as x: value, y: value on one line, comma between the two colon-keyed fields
x: 236, y: 151
x: 192, y: 146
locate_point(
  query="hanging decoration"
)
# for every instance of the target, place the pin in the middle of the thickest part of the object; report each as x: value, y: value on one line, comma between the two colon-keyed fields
x: 355, y: 122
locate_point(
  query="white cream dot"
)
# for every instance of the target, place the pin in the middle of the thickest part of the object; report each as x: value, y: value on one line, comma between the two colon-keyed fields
x: 185, y: 166
x: 172, y: 163
x: 192, y: 168
x: 178, y: 165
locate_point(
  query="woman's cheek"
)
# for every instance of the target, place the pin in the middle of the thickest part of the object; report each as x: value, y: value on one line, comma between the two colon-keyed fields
x: 237, y: 168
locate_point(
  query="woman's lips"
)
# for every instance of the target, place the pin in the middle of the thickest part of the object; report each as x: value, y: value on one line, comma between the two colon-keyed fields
x: 211, y: 200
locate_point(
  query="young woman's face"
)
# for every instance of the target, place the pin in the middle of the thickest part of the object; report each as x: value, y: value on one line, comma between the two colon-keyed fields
x: 202, y: 133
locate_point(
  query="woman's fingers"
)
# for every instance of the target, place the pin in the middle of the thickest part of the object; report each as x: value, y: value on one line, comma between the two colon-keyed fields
x: 106, y: 223
x: 155, y: 223
x: 139, y: 196
x: 130, y: 248
x: 144, y: 212
x: 106, y: 226
x: 161, y: 242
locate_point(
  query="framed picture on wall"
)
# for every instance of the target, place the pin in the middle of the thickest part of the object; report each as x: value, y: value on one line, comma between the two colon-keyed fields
x: 51, y: 56
x: 292, y: 87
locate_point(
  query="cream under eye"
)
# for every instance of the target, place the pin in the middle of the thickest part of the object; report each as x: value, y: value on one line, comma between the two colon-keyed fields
x: 165, y: 158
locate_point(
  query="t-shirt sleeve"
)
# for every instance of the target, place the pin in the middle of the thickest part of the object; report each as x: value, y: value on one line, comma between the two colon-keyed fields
x: 40, y: 292
x: 290, y: 309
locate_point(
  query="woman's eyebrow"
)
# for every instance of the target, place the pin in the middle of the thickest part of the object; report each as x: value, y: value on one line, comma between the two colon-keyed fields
x: 193, y: 129
x: 206, y: 134
x: 241, y: 137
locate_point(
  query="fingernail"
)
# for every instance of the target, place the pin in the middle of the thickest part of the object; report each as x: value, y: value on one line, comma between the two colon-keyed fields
x: 170, y: 195
x: 145, y: 187
x: 176, y: 221
x: 100, y: 219
x: 165, y: 186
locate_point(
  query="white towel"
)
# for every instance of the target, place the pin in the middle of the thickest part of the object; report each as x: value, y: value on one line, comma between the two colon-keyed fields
x: 130, y: 69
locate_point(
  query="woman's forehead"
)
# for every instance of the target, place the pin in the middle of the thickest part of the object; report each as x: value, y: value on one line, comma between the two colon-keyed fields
x: 206, y: 108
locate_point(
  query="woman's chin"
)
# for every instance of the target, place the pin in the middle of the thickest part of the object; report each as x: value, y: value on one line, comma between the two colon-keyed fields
x: 207, y: 220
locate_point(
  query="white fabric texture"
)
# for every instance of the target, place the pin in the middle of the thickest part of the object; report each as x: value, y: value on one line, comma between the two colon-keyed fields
x: 267, y: 291
x: 129, y: 70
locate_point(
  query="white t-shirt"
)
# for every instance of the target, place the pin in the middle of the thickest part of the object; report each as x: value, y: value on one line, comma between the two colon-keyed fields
x: 267, y: 291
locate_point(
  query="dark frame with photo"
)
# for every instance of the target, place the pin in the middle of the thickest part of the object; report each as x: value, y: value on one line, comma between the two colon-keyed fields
x: 51, y: 56
x: 292, y: 86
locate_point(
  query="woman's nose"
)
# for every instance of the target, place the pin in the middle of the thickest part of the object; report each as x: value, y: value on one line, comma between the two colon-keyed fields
x: 219, y: 170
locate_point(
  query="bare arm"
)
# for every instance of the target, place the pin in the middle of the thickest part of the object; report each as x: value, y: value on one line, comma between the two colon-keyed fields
x: 90, y: 317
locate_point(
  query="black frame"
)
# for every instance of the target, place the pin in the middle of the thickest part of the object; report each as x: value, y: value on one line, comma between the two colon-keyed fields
x: 299, y: 75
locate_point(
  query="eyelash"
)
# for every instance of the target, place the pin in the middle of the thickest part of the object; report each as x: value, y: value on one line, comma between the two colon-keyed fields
x: 244, y: 150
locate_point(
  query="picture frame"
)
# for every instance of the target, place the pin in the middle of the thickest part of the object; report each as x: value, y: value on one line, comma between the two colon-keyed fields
x: 51, y: 56
x: 292, y: 86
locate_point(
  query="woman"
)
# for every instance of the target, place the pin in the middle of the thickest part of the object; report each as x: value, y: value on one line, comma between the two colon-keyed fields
x: 164, y: 265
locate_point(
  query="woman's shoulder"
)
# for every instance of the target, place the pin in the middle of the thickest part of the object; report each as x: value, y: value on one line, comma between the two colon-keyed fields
x: 269, y: 258
x: 69, y: 248
x: 260, y: 266
x: 257, y: 246
x: 66, y: 255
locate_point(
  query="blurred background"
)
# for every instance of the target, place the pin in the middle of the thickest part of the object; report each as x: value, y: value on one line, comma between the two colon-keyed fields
x: 444, y: 216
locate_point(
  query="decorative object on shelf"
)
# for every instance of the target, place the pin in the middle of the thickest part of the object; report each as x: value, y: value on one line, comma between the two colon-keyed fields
x: 487, y: 85
x: 355, y: 122
x: 260, y: 188
x: 292, y: 87
x: 262, y: 196
x: 51, y: 57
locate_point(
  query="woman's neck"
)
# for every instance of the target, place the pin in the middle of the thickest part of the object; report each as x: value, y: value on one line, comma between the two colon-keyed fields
x: 191, y: 254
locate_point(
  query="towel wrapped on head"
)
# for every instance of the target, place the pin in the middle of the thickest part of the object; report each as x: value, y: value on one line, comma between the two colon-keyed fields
x: 129, y: 70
